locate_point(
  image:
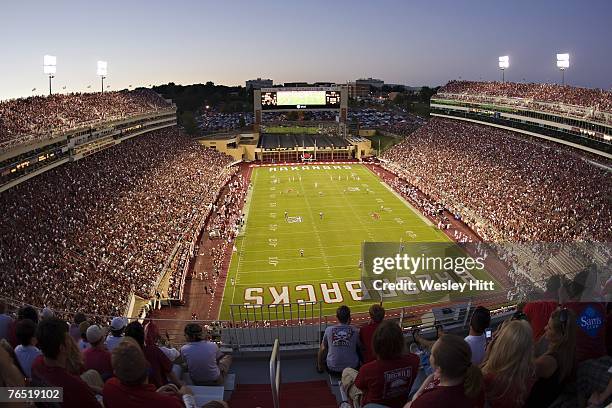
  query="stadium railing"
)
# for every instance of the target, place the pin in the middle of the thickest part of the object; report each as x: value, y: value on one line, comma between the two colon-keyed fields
x: 294, y: 325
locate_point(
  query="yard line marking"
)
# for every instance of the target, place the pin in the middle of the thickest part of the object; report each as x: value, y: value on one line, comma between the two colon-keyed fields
x: 356, y: 215
x: 316, y: 230
x: 250, y: 194
x: 300, y: 269
x: 271, y: 251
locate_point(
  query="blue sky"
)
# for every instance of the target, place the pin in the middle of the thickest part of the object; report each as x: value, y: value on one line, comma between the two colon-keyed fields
x: 227, y: 42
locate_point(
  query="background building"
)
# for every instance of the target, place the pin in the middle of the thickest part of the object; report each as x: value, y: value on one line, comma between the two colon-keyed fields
x: 258, y: 83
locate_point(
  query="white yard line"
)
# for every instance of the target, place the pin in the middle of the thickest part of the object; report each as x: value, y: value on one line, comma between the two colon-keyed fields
x: 298, y: 269
x: 366, y: 228
x: 392, y: 224
x: 249, y: 200
x: 316, y: 230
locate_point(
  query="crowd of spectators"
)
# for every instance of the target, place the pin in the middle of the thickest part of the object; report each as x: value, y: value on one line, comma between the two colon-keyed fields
x: 131, y: 367
x: 546, y: 352
x: 86, y: 234
x: 598, y: 99
x: 224, y: 225
x: 506, y: 188
x: 39, y: 117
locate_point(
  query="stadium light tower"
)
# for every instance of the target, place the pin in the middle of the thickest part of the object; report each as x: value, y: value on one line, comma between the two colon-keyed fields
x: 49, y: 68
x: 102, y: 71
x: 504, y: 62
x: 563, y: 64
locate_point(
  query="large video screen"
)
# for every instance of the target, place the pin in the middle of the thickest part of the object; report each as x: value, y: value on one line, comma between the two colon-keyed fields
x: 300, y: 100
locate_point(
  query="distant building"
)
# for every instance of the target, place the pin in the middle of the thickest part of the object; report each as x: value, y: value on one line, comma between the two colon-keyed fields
x: 258, y: 83
x: 373, y: 82
x: 296, y: 84
x: 358, y: 90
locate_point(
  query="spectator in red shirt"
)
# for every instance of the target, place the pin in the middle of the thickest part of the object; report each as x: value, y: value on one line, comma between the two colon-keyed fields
x: 590, y: 316
x: 377, y: 314
x: 388, y: 379
x: 50, y: 369
x: 160, y: 366
x: 97, y: 357
x: 460, y: 382
x: 538, y: 311
x: 509, y: 370
x: 129, y: 387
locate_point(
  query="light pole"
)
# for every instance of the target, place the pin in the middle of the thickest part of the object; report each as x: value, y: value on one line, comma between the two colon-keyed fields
x: 102, y: 71
x: 504, y: 62
x: 563, y: 64
x: 50, y: 68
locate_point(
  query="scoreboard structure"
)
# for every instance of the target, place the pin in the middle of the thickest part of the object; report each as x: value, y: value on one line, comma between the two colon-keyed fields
x: 328, y: 98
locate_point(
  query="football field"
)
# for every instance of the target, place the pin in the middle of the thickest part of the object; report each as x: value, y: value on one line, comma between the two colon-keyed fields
x: 303, y: 235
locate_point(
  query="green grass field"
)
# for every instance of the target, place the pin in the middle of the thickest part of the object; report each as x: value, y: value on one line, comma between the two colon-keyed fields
x: 356, y: 207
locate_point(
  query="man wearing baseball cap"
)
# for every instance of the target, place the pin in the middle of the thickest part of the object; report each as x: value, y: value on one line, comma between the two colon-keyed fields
x: 207, y: 365
x: 97, y: 357
x: 117, y: 327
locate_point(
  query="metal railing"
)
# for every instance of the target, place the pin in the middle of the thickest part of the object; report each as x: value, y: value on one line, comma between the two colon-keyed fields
x: 294, y: 325
x: 275, y: 376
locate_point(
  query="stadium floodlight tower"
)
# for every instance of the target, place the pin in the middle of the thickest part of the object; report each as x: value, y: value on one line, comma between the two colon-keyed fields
x: 50, y: 67
x: 102, y: 71
x: 504, y: 63
x: 563, y: 64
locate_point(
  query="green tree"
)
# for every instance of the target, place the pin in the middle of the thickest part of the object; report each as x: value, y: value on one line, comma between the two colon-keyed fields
x: 189, y: 123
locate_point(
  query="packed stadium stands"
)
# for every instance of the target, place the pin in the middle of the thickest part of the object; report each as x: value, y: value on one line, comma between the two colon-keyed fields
x: 597, y: 99
x: 504, y: 186
x: 35, y: 118
x: 87, y: 235
x: 83, y: 236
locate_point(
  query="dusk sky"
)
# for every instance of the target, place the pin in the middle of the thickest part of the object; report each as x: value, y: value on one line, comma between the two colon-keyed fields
x: 227, y: 42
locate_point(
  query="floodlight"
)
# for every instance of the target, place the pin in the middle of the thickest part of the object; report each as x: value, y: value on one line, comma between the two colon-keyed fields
x: 562, y: 61
x: 102, y: 68
x: 563, y: 64
x: 49, y: 64
x: 504, y: 62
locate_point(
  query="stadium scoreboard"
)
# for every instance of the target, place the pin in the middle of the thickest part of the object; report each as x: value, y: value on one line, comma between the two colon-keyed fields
x: 300, y: 99
x: 290, y: 99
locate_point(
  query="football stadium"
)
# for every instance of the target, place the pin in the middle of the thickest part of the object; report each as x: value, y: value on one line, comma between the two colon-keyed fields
x: 354, y: 244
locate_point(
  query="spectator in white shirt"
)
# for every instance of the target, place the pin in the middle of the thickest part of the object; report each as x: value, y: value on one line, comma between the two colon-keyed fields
x: 26, y: 351
x: 117, y: 328
x: 207, y: 365
x: 481, y: 319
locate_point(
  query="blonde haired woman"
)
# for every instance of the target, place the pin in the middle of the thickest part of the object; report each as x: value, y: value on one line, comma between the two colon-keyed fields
x: 509, y: 368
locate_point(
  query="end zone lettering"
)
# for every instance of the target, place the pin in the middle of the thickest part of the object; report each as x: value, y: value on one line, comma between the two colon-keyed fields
x: 311, y: 167
x: 338, y: 292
